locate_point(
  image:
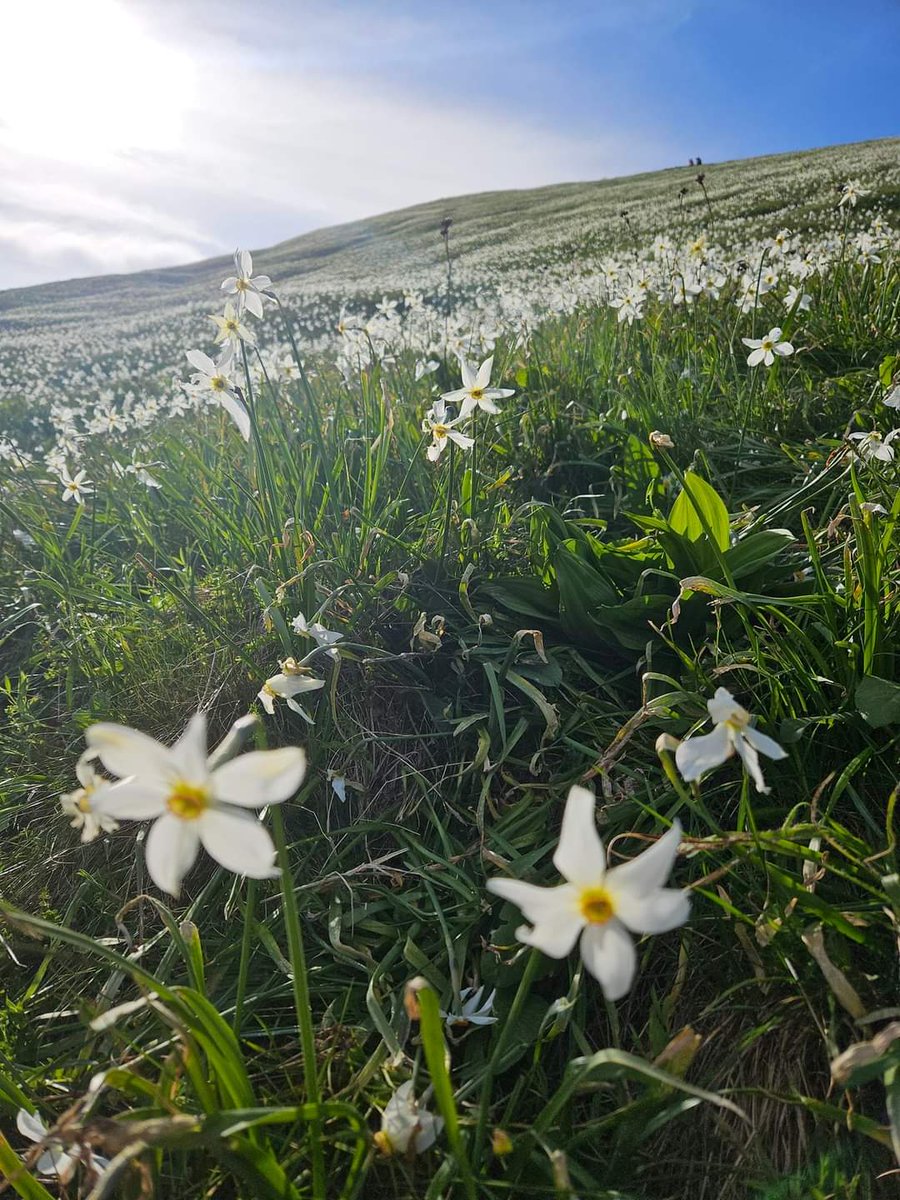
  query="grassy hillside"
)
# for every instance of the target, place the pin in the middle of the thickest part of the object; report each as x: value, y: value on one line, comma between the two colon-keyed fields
x: 635, y: 580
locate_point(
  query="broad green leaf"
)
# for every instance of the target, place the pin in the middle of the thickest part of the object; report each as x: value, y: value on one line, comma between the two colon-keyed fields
x: 14, y: 1174
x: 757, y: 550
x: 699, y: 504
x: 879, y: 701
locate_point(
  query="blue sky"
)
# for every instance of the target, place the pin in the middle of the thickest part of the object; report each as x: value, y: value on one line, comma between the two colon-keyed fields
x: 139, y: 133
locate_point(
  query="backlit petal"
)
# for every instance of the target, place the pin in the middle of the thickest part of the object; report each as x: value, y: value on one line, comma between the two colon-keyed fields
x: 763, y: 743
x: 135, y: 799
x: 580, y: 857
x: 698, y: 754
x: 171, y: 851
x: 648, y: 870
x: 751, y: 763
x: 483, y: 378
x: 238, y: 841
x: 30, y: 1126
x: 189, y: 752
x: 652, y: 912
x: 125, y: 751
x: 260, y: 777
x: 608, y: 954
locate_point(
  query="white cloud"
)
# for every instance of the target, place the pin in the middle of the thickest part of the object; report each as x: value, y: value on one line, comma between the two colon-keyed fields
x: 262, y: 154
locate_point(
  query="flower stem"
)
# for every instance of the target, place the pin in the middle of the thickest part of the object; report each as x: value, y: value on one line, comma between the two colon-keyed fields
x: 244, y: 967
x: 512, y: 1020
x: 297, y: 958
x: 451, y: 479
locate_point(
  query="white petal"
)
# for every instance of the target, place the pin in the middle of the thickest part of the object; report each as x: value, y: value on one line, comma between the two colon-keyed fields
x: 429, y: 1128
x: 723, y: 706
x: 244, y: 263
x: 253, y: 303
x: 763, y: 743
x: 30, y: 1126
x: 755, y: 357
x: 552, y: 911
x: 132, y: 799
x: 608, y: 954
x: 55, y: 1161
x: 466, y: 443
x: 483, y: 378
x: 784, y: 349
x: 580, y: 856
x: 698, y: 754
x: 775, y: 334
x: 260, y: 777
x: 237, y: 412
x: 554, y: 936
x: 751, y: 763
x: 238, y: 841
x: 189, y: 752
x: 655, y: 911
x: 171, y: 851
x: 201, y: 361
x: 456, y: 397
x: 125, y: 751
x: 648, y: 870
x: 468, y: 375
x: 488, y: 406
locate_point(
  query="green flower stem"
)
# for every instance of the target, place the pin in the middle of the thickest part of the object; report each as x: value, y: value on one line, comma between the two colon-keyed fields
x: 244, y: 968
x: 512, y: 1017
x: 297, y: 958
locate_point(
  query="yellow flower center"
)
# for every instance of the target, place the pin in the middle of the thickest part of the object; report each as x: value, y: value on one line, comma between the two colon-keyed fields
x: 439, y: 431
x: 383, y: 1142
x: 477, y: 393
x: 241, y: 285
x: 596, y: 905
x: 187, y: 801
x: 767, y: 345
x: 218, y: 383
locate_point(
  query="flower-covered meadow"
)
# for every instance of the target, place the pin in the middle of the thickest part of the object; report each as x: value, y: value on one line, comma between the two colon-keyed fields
x: 448, y: 703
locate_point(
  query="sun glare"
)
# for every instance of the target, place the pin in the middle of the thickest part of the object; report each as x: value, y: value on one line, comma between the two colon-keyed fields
x: 85, y: 81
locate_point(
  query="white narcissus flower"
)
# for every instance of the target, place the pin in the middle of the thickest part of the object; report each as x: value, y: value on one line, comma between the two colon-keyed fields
x: 733, y: 733
x: 75, y: 487
x: 406, y: 1127
x: 872, y: 445
x: 471, y: 1010
x: 55, y: 1159
x: 442, y: 431
x: 246, y: 289
x: 292, y: 680
x: 231, y: 328
x: 215, y: 377
x: 192, y: 804
x: 803, y: 300
x: 601, y: 907
x: 80, y: 805
x: 476, y: 391
x: 766, y: 349
x: 892, y: 399
x: 316, y: 630
x: 851, y: 191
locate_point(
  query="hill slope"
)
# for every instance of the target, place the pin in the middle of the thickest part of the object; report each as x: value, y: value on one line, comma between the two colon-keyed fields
x: 488, y: 229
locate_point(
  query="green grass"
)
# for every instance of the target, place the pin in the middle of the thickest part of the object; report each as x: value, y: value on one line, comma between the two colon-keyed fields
x: 458, y: 751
